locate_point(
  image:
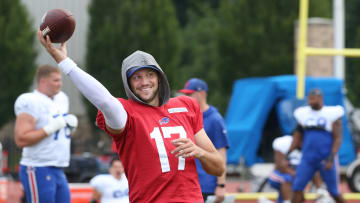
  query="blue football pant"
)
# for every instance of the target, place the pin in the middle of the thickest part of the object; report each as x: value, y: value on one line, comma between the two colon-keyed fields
x: 44, y: 184
x: 306, y: 170
x: 277, y: 178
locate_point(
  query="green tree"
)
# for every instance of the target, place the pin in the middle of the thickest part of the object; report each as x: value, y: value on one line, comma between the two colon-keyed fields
x: 17, y: 55
x: 200, y: 49
x: 184, y: 7
x: 118, y: 28
x: 256, y: 38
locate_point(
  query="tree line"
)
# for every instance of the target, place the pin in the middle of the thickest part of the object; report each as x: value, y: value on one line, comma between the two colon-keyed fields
x: 218, y: 41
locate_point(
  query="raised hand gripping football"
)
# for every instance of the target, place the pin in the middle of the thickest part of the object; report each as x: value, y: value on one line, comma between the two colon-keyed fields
x: 59, y: 24
x: 58, y: 53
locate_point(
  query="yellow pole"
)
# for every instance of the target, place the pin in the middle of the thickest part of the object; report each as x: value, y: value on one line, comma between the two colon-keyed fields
x: 333, y: 52
x: 301, y: 54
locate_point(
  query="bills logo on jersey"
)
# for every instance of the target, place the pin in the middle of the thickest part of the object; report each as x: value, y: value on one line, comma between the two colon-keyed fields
x: 164, y: 120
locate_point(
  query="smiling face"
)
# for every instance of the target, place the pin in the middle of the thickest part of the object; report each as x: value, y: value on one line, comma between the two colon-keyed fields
x: 144, y: 83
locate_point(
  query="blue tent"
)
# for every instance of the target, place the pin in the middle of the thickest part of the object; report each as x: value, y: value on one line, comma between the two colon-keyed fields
x: 252, y: 101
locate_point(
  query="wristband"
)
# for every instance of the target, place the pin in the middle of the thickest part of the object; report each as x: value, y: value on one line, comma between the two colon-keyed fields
x: 220, y: 185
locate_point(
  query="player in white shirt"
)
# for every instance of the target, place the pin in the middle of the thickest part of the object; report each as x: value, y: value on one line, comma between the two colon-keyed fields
x: 113, y: 187
x: 282, y: 177
x: 42, y: 130
x: 320, y: 131
x: 285, y: 165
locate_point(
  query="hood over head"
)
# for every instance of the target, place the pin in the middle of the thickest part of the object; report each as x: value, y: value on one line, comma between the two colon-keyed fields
x: 137, y: 61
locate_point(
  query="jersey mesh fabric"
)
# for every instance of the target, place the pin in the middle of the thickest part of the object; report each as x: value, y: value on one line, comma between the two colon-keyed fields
x: 317, y: 135
x: 54, y: 150
x: 143, y: 138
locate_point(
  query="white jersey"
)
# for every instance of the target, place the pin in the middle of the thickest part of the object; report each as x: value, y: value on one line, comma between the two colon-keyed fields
x: 317, y: 130
x: 112, y: 190
x: 54, y: 150
x: 282, y: 144
x: 324, y: 118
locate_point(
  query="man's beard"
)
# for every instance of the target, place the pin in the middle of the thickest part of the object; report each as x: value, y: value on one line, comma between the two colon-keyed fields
x: 316, y: 107
x: 148, y: 100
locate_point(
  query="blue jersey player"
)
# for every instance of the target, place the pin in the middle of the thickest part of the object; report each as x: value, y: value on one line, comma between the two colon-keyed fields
x: 215, y: 128
x: 319, y: 129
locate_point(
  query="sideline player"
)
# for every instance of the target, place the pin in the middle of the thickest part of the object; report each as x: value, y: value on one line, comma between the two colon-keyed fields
x: 214, y: 126
x: 42, y: 129
x: 157, y: 137
x: 319, y: 128
x: 285, y: 165
x: 112, y: 187
x: 282, y: 177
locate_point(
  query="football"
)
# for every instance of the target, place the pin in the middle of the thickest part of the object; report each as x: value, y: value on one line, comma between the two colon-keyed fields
x: 59, y: 24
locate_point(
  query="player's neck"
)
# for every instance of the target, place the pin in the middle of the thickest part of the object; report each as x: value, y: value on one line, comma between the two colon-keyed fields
x: 42, y: 91
x: 204, y: 107
x: 154, y: 102
x: 317, y: 109
x: 117, y: 177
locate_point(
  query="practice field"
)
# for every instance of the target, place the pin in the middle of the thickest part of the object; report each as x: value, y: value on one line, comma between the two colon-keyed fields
x: 310, y: 197
x: 246, y: 196
x: 11, y: 192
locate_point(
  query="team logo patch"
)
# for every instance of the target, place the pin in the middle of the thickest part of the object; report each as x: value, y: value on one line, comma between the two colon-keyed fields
x: 177, y: 110
x: 164, y: 120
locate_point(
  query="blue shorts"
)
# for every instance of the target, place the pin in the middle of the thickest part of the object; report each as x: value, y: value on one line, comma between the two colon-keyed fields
x: 306, y: 170
x: 277, y: 178
x: 44, y: 184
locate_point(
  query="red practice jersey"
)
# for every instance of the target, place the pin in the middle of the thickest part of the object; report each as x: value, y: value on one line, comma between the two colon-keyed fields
x: 154, y: 174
